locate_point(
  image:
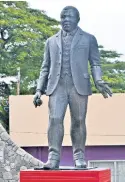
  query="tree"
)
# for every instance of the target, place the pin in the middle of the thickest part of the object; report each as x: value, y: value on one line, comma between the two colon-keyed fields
x: 23, y: 32
x: 4, y: 105
x: 113, y: 70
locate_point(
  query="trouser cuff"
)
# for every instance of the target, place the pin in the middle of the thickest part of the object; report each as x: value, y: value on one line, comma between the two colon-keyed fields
x: 78, y: 155
x: 54, y: 156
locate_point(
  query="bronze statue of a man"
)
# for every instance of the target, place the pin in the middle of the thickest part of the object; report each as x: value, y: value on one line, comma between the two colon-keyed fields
x: 65, y: 79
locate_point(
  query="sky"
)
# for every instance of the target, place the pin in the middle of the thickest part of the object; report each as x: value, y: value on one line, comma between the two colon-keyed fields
x: 103, y: 18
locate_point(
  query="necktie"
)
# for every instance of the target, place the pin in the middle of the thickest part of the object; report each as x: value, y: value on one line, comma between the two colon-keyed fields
x: 68, y: 38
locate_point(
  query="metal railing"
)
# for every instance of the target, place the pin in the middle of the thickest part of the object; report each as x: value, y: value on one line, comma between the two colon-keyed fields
x: 117, y: 168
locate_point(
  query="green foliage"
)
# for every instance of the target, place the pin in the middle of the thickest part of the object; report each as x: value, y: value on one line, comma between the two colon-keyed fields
x: 4, y: 105
x: 23, y: 32
x: 113, y: 70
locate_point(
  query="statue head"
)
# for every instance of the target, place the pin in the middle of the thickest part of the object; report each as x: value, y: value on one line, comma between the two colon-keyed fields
x: 69, y: 18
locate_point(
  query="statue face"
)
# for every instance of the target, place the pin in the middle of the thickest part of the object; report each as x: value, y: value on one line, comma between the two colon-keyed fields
x: 69, y: 20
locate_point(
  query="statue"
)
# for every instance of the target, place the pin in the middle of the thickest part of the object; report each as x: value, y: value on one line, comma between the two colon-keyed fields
x: 65, y: 79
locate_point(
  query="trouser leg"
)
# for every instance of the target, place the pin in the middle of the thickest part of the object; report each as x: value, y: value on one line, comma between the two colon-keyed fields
x: 57, y: 107
x: 78, y: 110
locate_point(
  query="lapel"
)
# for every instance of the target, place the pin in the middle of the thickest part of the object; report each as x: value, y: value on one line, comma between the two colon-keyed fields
x: 76, y: 38
x: 59, y: 40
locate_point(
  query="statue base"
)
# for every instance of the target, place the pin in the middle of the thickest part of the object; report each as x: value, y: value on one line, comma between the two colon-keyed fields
x: 66, y: 174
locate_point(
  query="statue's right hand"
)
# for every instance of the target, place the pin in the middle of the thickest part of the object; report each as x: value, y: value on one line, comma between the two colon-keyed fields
x: 37, y: 101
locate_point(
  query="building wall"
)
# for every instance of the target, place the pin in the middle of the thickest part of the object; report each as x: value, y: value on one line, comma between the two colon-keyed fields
x: 105, y: 121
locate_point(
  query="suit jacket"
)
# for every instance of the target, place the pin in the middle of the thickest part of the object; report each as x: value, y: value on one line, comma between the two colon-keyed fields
x: 84, y: 47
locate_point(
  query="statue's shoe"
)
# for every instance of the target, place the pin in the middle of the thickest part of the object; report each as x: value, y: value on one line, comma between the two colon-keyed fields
x: 80, y: 163
x: 51, y: 164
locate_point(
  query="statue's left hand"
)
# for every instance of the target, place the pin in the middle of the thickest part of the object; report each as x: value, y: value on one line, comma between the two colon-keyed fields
x: 103, y: 88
